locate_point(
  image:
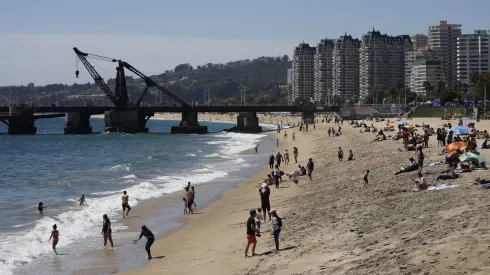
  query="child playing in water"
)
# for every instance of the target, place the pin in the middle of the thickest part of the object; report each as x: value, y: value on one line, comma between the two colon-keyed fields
x: 185, y: 206
x: 55, y: 236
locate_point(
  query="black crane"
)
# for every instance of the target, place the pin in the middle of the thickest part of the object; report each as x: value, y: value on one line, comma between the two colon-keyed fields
x: 120, y: 97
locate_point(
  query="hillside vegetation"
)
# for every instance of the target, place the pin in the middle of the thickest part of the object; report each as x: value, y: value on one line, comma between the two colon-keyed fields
x: 260, y: 78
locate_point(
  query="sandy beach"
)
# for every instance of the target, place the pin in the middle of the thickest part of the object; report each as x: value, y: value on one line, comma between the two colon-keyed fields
x: 335, y: 224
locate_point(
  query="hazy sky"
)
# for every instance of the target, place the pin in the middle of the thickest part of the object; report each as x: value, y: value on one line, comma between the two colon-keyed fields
x: 37, y: 37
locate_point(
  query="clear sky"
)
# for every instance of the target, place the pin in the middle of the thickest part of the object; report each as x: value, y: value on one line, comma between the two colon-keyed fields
x: 37, y: 37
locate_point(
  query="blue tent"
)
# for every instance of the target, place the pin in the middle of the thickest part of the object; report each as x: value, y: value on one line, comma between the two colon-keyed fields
x: 460, y: 130
x: 436, y: 103
x: 466, y: 101
x: 464, y: 118
x: 481, y: 101
x: 403, y: 123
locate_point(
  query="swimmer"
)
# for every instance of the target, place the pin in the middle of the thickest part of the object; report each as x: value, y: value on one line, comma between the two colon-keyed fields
x: 54, y: 235
x: 41, y: 207
x: 82, y: 200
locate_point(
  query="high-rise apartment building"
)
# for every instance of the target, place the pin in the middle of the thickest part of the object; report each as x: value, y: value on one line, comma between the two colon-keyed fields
x: 443, y: 38
x: 289, y: 79
x: 411, y: 57
x: 473, y: 54
x: 323, y: 72
x: 426, y: 71
x: 346, y: 68
x: 419, y: 41
x: 382, y: 61
x: 303, y: 74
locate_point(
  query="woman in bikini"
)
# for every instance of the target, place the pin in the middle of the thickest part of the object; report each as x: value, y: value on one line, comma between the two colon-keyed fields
x: 55, y: 236
x: 107, y: 230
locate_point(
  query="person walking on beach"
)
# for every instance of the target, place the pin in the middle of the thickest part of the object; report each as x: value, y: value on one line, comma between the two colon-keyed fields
x: 189, y: 195
x: 125, y: 203
x: 293, y: 136
x: 107, y: 230
x: 276, y: 225
x: 55, y: 236
x: 286, y: 157
x: 279, y: 158
x: 256, y: 148
x: 295, y: 154
x: 150, y: 238
x: 309, y: 166
x: 271, y: 161
x: 277, y: 176
x: 251, y: 231
x: 193, y: 197
x: 265, y: 193
x: 41, y: 207
x: 277, y: 142
x: 81, y: 200
x: 340, y: 154
x: 366, y: 182
x: 285, y: 135
x: 185, y: 206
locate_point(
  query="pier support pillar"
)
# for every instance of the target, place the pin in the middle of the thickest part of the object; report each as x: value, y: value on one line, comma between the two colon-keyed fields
x: 308, y: 117
x: 21, y: 121
x: 77, y: 123
x: 126, y: 121
x: 189, y: 124
x: 247, y: 123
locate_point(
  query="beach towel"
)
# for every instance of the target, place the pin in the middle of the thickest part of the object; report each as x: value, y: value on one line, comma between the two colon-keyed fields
x: 442, y: 186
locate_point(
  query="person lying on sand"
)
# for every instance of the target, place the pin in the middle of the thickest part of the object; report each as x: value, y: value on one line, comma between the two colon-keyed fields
x: 449, y: 174
x: 412, y: 167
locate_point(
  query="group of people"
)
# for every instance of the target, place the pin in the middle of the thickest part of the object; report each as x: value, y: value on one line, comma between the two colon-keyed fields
x: 106, y: 226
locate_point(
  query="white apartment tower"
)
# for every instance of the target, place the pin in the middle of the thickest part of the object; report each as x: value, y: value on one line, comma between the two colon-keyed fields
x: 303, y: 74
x: 443, y: 38
x: 382, y: 61
x: 411, y: 57
x: 426, y: 71
x: 473, y: 54
x: 419, y: 41
x: 346, y: 68
x: 323, y: 72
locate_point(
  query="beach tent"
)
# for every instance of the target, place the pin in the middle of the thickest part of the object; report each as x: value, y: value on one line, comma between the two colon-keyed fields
x: 473, y: 158
x: 481, y: 101
x: 454, y: 146
x: 436, y: 103
x: 460, y: 130
x: 403, y: 123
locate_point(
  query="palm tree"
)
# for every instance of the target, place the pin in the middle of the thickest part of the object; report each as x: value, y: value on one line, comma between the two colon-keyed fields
x: 475, y: 77
x: 392, y: 93
x: 441, y: 86
x: 399, y: 85
x: 427, y: 87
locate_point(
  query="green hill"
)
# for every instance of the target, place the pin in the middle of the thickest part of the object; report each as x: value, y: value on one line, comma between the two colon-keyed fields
x: 260, y: 78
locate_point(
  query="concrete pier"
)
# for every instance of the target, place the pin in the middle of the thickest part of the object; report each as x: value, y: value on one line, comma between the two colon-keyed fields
x: 77, y: 123
x: 189, y: 125
x: 126, y: 121
x: 247, y: 123
x: 21, y: 121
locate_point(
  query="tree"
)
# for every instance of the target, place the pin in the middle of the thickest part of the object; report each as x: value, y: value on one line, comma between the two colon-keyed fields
x: 399, y: 85
x: 427, y: 87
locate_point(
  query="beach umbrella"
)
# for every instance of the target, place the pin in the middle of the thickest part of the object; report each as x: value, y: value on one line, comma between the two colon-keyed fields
x: 409, y: 126
x: 460, y: 130
x: 403, y: 123
x: 464, y: 118
x: 454, y: 146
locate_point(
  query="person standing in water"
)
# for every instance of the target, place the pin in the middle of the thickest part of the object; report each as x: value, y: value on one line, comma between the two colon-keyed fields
x: 55, y: 236
x: 150, y: 238
x: 256, y: 148
x: 194, y: 197
x: 125, y: 203
x: 41, y: 207
x: 107, y: 230
x: 82, y: 200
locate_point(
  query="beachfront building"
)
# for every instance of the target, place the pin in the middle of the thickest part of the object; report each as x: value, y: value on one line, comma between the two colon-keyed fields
x: 346, y: 68
x: 382, y: 61
x: 443, y: 38
x: 419, y: 41
x: 473, y: 54
x: 426, y: 70
x: 323, y: 73
x: 411, y: 57
x: 303, y: 74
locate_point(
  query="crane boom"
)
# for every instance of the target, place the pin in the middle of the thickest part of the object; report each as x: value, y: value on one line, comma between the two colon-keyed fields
x: 151, y: 83
x: 95, y: 75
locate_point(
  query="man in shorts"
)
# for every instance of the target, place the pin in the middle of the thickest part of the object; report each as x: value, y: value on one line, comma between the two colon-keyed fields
x: 125, y: 203
x: 251, y: 231
x: 190, y: 199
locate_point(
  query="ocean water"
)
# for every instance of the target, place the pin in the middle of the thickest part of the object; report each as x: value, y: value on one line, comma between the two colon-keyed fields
x: 56, y: 168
